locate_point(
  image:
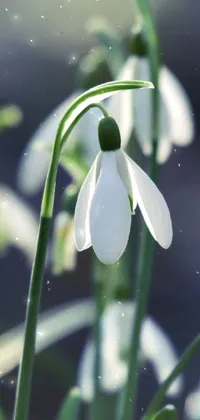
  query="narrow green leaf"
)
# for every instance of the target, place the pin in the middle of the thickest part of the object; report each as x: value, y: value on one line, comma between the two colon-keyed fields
x: 96, y: 94
x: 71, y: 405
x: 167, y: 413
x: 160, y: 395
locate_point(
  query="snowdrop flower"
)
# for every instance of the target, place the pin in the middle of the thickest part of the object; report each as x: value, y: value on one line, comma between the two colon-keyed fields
x: 176, y: 116
x: 18, y: 224
x: 116, y: 327
x: 113, y: 188
x: 192, y: 405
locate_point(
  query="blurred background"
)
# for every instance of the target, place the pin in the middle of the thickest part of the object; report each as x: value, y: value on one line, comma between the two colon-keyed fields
x: 41, y: 44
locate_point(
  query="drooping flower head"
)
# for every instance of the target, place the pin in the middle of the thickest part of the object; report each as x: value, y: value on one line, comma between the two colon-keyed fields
x: 133, y: 109
x: 113, y: 188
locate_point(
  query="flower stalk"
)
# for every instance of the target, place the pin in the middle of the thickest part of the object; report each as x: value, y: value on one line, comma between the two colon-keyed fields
x: 127, y: 402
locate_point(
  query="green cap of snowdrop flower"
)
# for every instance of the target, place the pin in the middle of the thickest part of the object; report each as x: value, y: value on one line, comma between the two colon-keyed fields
x: 138, y: 44
x: 109, y: 135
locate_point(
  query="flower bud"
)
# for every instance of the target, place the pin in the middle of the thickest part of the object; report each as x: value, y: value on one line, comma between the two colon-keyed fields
x: 109, y: 135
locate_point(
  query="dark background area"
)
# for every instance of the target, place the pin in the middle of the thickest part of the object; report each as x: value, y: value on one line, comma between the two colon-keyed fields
x: 37, y: 76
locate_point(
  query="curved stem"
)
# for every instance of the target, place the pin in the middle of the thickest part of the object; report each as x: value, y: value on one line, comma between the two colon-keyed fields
x: 26, y: 366
x: 159, y: 396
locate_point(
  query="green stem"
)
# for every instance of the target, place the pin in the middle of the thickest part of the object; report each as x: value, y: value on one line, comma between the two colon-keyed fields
x: 159, y: 396
x: 100, y: 272
x: 26, y: 366
x: 127, y: 404
x: 25, y: 373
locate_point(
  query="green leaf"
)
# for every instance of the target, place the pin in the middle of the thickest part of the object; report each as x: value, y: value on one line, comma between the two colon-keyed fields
x: 107, y: 36
x: 167, y: 413
x: 160, y: 395
x: 71, y: 405
x: 2, y: 415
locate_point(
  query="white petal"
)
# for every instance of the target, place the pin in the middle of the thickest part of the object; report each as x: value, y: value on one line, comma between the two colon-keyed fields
x: 34, y: 164
x: 86, y: 372
x: 122, y: 167
x: 53, y: 325
x: 116, y: 330
x: 178, y: 106
x: 192, y: 405
x: 143, y: 107
x: 152, y: 205
x: 164, y: 151
x: 110, y: 213
x: 81, y: 216
x: 159, y: 350
x: 120, y: 106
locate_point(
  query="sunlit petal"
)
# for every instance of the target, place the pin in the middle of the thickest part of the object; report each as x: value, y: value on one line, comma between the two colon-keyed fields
x: 179, y: 108
x: 81, y: 216
x: 110, y: 213
x: 152, y: 205
x: 143, y: 111
x: 164, y: 150
x: 159, y: 350
x: 120, y: 106
x: 122, y: 167
x: 53, y: 325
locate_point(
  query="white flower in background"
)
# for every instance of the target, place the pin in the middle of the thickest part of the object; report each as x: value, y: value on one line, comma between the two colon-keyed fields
x: 192, y: 405
x: 18, y: 224
x: 103, y: 210
x: 133, y: 110
x: 116, y: 323
x: 116, y: 329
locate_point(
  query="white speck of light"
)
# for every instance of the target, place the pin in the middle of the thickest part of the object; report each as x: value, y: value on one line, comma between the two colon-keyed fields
x: 197, y: 272
x: 179, y: 165
x: 48, y: 281
x: 25, y: 154
x: 61, y: 6
x: 110, y: 48
x: 40, y: 333
x: 6, y: 10
x: 122, y: 314
x: 42, y: 17
x: 17, y: 239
